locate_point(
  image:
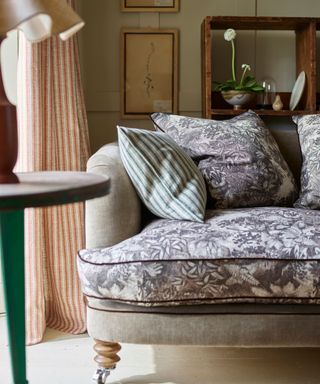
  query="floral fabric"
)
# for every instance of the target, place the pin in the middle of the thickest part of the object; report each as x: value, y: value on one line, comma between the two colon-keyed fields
x: 309, y: 136
x: 239, y: 159
x: 266, y: 254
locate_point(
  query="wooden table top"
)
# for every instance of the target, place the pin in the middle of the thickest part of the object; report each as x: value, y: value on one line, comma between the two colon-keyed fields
x: 39, y: 189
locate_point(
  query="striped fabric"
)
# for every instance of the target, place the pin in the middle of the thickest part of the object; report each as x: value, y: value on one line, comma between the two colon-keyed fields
x: 53, y: 135
x: 166, y: 179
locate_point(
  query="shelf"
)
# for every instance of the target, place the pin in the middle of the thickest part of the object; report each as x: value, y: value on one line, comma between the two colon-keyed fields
x: 261, y: 23
x: 220, y: 107
x: 305, y: 35
x: 261, y: 112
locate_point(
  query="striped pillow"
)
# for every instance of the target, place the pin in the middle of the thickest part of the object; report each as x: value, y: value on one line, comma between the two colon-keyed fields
x: 166, y: 178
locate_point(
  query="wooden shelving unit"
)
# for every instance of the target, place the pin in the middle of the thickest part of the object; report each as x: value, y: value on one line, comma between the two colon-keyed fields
x: 305, y: 31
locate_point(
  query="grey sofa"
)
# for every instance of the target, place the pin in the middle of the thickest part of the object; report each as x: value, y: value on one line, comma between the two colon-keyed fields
x: 258, y: 310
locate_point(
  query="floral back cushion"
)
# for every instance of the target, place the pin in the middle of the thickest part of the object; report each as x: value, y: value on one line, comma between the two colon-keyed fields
x: 239, y: 158
x: 309, y: 137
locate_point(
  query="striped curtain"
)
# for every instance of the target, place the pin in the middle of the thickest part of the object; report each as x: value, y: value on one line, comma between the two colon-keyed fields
x: 53, y: 135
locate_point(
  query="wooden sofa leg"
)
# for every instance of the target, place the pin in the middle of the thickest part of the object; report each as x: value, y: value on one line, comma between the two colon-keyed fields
x: 106, y: 358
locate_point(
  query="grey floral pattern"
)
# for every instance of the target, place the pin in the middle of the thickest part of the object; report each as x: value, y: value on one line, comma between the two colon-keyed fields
x: 239, y: 159
x: 264, y: 254
x: 309, y: 136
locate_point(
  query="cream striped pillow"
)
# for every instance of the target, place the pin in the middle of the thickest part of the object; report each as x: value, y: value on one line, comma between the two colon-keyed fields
x: 165, y: 177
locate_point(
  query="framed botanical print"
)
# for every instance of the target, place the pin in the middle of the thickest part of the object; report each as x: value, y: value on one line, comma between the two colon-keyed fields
x: 150, y: 5
x: 149, y: 72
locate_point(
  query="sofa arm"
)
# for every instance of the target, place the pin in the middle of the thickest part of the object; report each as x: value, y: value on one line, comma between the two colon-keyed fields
x: 116, y: 216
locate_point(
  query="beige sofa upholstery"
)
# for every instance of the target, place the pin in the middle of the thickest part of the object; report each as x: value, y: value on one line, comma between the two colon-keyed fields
x: 116, y: 217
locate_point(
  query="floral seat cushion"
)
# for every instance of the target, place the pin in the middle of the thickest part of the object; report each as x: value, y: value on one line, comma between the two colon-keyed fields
x: 252, y: 255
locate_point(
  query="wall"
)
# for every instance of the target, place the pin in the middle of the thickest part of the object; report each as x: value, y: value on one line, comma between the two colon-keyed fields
x: 100, y: 52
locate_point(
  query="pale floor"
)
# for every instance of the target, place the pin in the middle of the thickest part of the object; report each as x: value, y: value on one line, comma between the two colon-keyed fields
x: 63, y: 359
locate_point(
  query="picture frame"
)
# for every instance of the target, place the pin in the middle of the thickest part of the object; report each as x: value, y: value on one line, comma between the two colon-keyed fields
x: 149, y: 72
x: 150, y: 5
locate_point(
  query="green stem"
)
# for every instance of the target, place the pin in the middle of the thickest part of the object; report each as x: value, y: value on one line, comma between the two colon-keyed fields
x: 233, y: 61
x: 242, y: 77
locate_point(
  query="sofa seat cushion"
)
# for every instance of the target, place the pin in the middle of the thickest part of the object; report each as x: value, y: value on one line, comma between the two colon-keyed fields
x: 251, y: 255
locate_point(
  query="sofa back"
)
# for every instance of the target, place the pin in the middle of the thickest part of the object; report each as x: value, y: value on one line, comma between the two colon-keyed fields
x: 106, y: 216
x: 288, y: 141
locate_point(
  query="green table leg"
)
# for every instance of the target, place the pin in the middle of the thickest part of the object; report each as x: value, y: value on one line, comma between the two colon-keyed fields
x: 12, y: 256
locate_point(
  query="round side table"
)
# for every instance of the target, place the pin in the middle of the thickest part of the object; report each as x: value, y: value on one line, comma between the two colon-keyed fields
x: 36, y: 189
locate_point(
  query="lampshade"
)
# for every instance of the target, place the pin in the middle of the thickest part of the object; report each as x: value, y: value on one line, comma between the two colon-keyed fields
x: 39, y: 19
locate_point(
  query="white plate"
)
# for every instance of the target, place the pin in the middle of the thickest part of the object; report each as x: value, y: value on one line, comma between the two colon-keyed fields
x: 297, y: 90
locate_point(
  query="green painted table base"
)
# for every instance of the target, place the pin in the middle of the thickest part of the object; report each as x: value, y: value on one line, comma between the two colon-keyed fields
x: 35, y: 189
x: 12, y: 258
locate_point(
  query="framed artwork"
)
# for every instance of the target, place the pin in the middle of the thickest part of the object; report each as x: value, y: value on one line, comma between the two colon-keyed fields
x: 150, y: 5
x: 149, y: 72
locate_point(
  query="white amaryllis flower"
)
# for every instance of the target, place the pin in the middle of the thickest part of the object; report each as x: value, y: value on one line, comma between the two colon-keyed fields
x: 247, y: 82
x: 246, y: 67
x: 230, y: 34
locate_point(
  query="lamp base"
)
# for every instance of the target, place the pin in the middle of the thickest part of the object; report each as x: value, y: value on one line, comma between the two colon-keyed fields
x: 10, y: 178
x: 8, y: 143
x: 8, y: 136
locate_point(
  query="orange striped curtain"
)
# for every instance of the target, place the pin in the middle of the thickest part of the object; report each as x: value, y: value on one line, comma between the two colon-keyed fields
x: 53, y: 135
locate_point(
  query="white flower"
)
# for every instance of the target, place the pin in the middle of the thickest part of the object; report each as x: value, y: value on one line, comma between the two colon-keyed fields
x: 230, y: 34
x: 246, y: 67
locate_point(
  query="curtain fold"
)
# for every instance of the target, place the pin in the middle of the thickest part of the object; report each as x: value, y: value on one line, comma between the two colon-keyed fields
x: 53, y: 135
